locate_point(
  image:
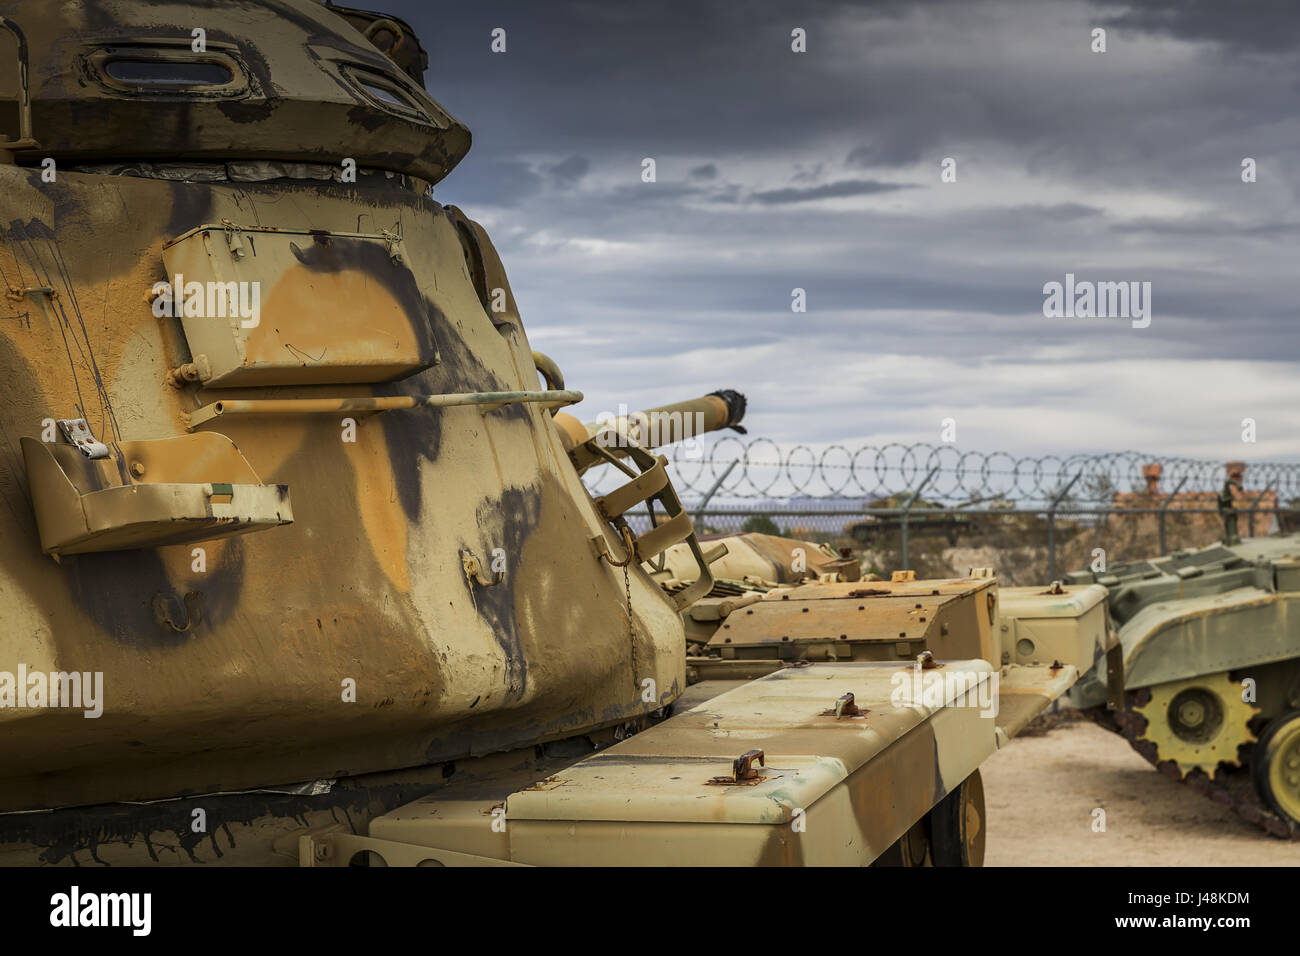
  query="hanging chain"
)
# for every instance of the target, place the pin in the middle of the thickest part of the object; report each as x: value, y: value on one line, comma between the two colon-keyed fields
x: 627, y: 587
x: 627, y: 591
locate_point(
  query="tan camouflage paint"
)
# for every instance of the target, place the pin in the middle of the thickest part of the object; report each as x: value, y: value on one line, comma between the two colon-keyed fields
x: 231, y: 677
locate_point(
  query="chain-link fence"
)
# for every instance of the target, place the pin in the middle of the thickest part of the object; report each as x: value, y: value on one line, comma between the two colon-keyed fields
x: 942, y: 511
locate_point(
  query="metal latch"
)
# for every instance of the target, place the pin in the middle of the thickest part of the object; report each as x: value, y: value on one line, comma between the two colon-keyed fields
x: 234, y: 239
x: 742, y: 770
x: 78, y: 433
x: 473, y: 568
x: 845, y: 707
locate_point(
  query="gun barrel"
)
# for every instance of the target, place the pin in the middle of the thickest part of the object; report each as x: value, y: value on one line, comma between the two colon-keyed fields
x: 651, y: 428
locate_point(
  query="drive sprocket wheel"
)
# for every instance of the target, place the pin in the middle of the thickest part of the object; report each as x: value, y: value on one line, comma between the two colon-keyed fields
x: 1198, y: 723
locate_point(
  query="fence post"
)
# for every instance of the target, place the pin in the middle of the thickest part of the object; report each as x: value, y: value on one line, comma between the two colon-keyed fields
x: 1051, y: 527
x: 699, y: 510
x: 911, y: 498
x: 1250, y: 514
x: 1164, y: 506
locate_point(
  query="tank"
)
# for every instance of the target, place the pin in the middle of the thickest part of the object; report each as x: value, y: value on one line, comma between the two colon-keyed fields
x: 297, y: 562
x: 1211, y: 648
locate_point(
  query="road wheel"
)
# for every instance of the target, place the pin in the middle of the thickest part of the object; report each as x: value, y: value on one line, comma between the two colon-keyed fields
x: 1275, y: 767
x: 957, y: 825
x: 911, y: 849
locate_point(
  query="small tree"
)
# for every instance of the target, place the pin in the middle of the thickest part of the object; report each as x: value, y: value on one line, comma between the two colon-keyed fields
x: 760, y: 524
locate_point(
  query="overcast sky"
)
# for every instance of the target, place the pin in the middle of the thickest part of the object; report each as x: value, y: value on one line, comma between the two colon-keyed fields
x: 821, y: 170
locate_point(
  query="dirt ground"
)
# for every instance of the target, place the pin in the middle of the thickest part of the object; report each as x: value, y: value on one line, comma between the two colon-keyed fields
x: 1041, y: 792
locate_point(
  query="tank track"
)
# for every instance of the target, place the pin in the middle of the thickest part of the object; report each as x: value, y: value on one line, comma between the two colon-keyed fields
x: 1231, y: 787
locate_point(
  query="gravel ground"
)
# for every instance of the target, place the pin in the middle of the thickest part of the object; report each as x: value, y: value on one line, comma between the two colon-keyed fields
x: 1041, y: 793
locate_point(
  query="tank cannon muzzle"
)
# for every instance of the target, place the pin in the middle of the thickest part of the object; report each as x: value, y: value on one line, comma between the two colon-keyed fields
x: 651, y: 428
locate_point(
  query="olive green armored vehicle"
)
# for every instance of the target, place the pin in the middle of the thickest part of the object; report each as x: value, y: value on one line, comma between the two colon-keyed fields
x: 297, y: 562
x: 1211, y: 646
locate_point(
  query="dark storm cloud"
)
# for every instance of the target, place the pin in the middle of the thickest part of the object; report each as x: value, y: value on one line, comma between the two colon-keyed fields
x: 838, y: 189
x: 569, y: 171
x: 716, y: 77
x: 891, y: 152
x: 820, y: 171
x: 1270, y: 25
x: 1061, y: 212
x: 675, y: 76
x: 499, y: 182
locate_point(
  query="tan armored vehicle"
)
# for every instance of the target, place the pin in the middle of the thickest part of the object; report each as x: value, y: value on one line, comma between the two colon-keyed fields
x: 296, y: 559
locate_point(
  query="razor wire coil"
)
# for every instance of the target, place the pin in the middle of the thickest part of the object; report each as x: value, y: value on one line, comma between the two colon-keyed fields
x: 797, y: 476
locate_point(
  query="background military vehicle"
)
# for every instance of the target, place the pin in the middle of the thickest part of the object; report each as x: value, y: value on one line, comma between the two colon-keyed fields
x: 296, y: 560
x: 1211, y: 644
x: 924, y: 518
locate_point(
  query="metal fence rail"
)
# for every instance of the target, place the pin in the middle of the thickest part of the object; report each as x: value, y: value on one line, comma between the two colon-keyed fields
x: 831, y: 525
